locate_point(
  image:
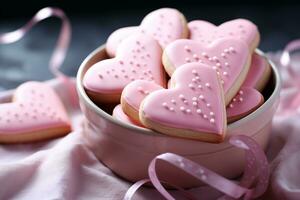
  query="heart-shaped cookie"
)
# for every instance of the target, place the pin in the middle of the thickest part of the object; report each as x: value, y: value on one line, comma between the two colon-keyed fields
x: 246, y: 101
x: 117, y: 37
x: 133, y: 94
x: 138, y: 58
x: 259, y: 73
x: 120, y: 115
x: 165, y: 25
x: 228, y: 57
x: 242, y: 29
x: 193, y: 109
x: 36, y: 113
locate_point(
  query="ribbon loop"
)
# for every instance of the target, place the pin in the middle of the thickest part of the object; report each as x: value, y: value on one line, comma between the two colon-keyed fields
x: 256, y: 173
x: 60, y: 49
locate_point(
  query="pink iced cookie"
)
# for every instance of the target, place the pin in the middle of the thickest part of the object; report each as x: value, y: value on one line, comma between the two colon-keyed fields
x: 165, y: 25
x: 193, y: 109
x: 36, y: 113
x: 120, y: 115
x: 242, y: 29
x: 259, y: 73
x: 138, y: 58
x: 246, y: 101
x: 133, y: 94
x: 117, y: 37
x: 228, y: 57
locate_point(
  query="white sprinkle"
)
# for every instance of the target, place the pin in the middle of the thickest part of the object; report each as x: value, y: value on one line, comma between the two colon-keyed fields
x: 187, y: 60
x: 208, y: 105
x: 201, y: 97
x: 211, y: 113
x: 195, y: 103
x: 234, y: 99
x: 231, y: 105
x: 165, y: 104
x: 171, y: 109
x: 205, y: 116
x: 187, y: 48
x: 194, y: 72
x: 241, y: 99
x: 185, y: 102
x: 191, y: 86
x: 207, y: 85
x: 181, y: 96
x: 225, y: 73
x: 204, y: 55
x: 241, y: 92
x: 182, y: 108
x: 200, y: 86
x: 212, y: 120
x: 140, y: 89
x: 199, y: 111
x: 231, y: 49
x: 173, y: 101
x: 188, y: 110
x: 194, y: 98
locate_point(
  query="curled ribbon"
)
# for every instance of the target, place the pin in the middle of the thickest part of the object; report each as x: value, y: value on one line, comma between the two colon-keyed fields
x: 61, y: 48
x: 290, y: 102
x: 256, y: 173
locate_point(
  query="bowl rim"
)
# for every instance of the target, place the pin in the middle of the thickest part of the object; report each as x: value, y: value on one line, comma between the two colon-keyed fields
x: 136, y: 129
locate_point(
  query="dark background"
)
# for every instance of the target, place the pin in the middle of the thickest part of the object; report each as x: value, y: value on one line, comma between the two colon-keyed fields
x: 93, y: 21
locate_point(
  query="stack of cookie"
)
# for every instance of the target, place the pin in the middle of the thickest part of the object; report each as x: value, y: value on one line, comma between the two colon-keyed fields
x: 181, y: 79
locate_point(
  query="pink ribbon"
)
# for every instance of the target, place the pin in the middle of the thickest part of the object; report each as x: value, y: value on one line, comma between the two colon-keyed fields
x: 61, y: 48
x: 290, y: 103
x: 256, y: 173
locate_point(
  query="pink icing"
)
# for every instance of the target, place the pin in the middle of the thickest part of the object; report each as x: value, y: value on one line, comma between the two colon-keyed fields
x: 35, y: 107
x: 135, y: 92
x: 120, y: 115
x: 138, y: 58
x: 244, y: 102
x: 116, y: 38
x: 257, y: 69
x: 165, y: 25
x: 206, y: 32
x: 195, y: 103
x: 228, y: 57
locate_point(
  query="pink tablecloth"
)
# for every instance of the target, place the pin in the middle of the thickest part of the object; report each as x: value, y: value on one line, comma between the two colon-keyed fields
x: 66, y: 169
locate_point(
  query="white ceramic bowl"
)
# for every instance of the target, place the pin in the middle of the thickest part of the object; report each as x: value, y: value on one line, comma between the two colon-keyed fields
x: 127, y: 150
